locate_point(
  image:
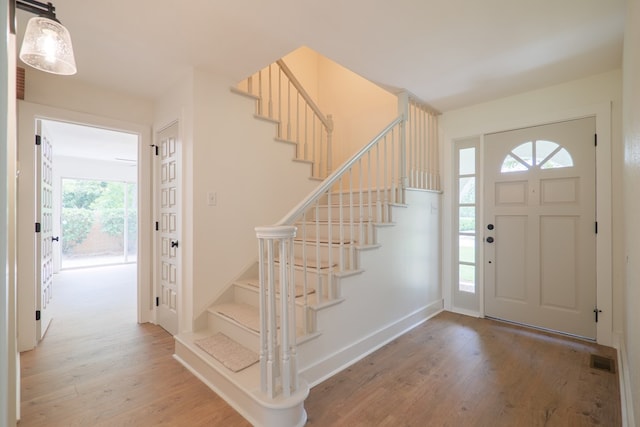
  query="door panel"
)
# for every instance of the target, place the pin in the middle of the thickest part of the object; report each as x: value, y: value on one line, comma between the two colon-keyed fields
x: 511, y: 231
x: 540, y: 257
x: 168, y: 240
x: 44, y: 242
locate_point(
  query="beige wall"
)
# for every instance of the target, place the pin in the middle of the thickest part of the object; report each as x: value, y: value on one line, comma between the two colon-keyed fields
x: 556, y: 103
x: 360, y: 108
x: 631, y: 172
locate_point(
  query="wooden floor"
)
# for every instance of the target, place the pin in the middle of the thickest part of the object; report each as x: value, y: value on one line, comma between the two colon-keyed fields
x: 97, y: 367
x: 456, y: 370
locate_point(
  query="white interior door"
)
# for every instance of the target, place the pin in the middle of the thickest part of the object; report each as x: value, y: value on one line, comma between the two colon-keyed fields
x: 540, y: 226
x: 168, y: 229
x: 44, y: 231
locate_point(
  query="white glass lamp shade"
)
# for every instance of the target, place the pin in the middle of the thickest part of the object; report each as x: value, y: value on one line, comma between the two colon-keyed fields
x: 47, y: 46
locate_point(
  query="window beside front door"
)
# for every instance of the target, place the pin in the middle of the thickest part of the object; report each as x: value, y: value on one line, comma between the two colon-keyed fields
x: 465, y: 252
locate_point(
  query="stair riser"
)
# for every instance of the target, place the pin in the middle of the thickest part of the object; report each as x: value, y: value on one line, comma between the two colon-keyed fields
x: 321, y: 231
x: 312, y: 281
x: 314, y: 252
x: 250, y: 296
x: 357, y: 197
x: 377, y: 213
x: 249, y: 339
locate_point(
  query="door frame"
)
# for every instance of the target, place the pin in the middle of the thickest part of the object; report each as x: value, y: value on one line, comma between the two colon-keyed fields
x: 28, y: 113
x: 604, y: 238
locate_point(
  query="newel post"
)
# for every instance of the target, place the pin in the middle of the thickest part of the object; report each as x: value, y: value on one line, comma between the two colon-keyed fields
x: 403, y: 111
x: 278, y: 367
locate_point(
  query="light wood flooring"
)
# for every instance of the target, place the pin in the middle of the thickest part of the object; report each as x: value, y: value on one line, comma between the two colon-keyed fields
x: 97, y: 367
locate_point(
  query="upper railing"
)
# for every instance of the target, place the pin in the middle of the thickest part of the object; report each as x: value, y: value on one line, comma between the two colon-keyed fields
x: 301, y: 255
x: 282, y: 98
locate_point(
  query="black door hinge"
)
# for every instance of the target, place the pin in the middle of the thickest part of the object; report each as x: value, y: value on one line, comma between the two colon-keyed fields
x: 37, y: 227
x: 38, y: 315
x: 156, y: 148
x: 595, y: 139
x: 157, y: 301
x: 38, y: 140
x: 596, y: 311
x: 157, y: 226
x: 596, y: 227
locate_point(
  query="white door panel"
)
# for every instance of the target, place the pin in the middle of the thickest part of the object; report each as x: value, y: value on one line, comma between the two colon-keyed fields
x: 168, y: 233
x: 44, y: 242
x: 540, y: 253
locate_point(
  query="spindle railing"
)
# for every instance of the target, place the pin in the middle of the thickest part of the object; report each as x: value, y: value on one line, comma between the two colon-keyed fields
x: 282, y: 98
x: 300, y: 256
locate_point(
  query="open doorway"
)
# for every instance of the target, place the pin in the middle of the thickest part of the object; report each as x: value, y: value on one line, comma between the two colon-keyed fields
x: 95, y: 211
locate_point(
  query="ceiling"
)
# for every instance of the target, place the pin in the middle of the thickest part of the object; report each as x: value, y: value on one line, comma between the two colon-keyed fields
x: 87, y: 142
x: 449, y: 53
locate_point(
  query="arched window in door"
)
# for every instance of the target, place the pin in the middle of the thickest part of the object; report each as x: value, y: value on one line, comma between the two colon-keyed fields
x: 536, y: 154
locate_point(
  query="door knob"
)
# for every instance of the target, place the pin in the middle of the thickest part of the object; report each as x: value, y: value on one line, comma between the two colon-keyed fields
x: 489, y: 239
x: 490, y: 226
x: 174, y: 243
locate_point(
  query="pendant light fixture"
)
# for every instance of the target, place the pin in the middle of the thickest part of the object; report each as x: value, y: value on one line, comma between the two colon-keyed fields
x: 47, y: 44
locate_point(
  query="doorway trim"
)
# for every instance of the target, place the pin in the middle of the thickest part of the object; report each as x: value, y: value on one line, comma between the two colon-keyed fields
x: 28, y: 113
x: 604, y: 239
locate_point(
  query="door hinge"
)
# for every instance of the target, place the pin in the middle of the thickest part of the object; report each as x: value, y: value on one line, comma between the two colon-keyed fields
x: 38, y: 315
x: 596, y: 227
x: 155, y: 148
x: 595, y: 139
x: 37, y: 227
x: 157, y: 226
x: 157, y: 301
x: 596, y: 311
x: 38, y: 140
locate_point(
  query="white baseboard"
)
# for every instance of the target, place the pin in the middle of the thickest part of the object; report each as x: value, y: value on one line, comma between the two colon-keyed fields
x: 465, y: 312
x: 626, y: 396
x: 351, y: 354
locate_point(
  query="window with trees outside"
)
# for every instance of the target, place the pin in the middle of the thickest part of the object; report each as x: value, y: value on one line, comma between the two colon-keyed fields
x: 98, y: 222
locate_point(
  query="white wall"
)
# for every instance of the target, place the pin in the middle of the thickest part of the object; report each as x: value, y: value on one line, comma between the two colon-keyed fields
x: 587, y: 96
x: 631, y: 168
x: 398, y: 288
x: 228, y: 152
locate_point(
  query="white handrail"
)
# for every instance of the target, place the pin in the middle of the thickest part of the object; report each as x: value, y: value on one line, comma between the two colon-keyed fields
x: 326, y: 185
x: 287, y: 72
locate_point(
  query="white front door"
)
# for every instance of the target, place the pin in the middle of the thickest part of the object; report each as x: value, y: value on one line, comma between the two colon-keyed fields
x: 44, y: 231
x: 540, y: 226
x: 168, y: 229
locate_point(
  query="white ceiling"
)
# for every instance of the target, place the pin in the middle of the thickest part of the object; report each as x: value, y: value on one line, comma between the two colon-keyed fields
x: 88, y: 142
x: 449, y: 53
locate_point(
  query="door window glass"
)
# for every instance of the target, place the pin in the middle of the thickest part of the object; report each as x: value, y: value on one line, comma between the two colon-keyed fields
x: 542, y: 154
x: 466, y: 234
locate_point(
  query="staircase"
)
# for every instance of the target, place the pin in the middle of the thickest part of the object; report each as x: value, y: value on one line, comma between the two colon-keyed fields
x: 321, y: 294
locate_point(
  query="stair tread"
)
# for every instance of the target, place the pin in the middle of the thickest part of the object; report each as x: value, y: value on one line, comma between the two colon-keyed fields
x: 323, y: 241
x: 244, y: 314
x: 247, y: 316
x: 299, y: 288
